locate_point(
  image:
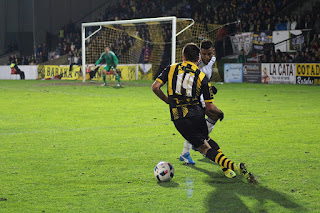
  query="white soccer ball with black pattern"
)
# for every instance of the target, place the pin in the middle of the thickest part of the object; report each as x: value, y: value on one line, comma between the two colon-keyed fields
x: 163, y: 171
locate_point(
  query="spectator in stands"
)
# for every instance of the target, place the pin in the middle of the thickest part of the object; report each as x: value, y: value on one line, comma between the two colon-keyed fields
x: 307, y: 56
x: 261, y: 15
x: 254, y: 27
x: 314, y: 59
x: 278, y: 53
x: 71, y: 60
x: 245, y: 26
x: 77, y: 57
x: 45, y: 52
x: 272, y: 52
x: 315, y: 42
x: 293, y: 24
x: 318, y: 53
x: 26, y: 60
x: 60, y: 49
x: 316, y: 26
x: 273, y: 59
x: 188, y: 9
x: 72, y: 47
x: 38, y: 50
x: 273, y: 23
x: 264, y: 59
x: 17, y: 70
x: 66, y: 47
x: 32, y: 61
x: 281, y: 25
x: 300, y: 23
x: 288, y: 58
x: 242, y: 58
x: 12, y: 59
x: 287, y: 22
x: 308, y: 23
x: 61, y: 33
x: 39, y: 60
x: 22, y: 60
x: 298, y: 57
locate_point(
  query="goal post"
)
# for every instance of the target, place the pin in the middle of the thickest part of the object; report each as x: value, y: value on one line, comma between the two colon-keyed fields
x: 171, y: 19
x: 144, y: 47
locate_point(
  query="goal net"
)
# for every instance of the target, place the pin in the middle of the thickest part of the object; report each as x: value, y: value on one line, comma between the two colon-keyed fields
x: 143, y: 46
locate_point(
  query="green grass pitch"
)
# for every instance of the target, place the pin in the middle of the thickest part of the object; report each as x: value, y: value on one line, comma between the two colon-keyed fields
x: 66, y: 146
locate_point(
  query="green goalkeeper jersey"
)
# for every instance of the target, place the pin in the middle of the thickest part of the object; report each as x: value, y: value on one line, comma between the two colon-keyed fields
x: 111, y: 59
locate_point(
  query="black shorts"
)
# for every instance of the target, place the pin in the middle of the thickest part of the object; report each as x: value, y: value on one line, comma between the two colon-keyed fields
x: 194, y: 129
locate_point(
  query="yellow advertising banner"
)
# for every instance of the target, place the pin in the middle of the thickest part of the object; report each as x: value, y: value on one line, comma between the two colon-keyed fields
x: 126, y: 73
x: 52, y: 71
x: 311, y: 70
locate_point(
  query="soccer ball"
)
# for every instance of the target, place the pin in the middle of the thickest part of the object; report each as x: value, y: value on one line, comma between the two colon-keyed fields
x: 163, y: 171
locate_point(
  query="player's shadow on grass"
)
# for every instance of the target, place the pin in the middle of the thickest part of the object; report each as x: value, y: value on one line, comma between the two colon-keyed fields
x: 170, y: 184
x: 228, y: 196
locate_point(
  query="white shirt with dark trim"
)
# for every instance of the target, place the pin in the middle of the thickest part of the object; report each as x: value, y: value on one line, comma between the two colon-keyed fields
x: 207, y: 69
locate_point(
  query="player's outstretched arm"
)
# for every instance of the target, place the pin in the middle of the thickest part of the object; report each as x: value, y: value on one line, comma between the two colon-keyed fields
x: 213, y: 112
x: 212, y: 116
x: 156, y: 88
x: 99, y: 60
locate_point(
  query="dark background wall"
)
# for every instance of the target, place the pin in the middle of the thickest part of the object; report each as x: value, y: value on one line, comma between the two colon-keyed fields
x: 27, y: 22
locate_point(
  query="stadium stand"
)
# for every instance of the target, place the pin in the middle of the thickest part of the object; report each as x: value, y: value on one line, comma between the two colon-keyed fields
x: 254, y: 16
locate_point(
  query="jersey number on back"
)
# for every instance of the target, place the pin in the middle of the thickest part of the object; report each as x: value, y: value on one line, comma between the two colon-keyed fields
x: 186, y: 84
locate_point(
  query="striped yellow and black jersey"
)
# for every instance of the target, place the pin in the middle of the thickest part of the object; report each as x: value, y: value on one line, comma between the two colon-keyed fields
x: 185, y: 83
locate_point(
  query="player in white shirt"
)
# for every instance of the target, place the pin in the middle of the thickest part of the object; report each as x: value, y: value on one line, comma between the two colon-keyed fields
x: 205, y: 65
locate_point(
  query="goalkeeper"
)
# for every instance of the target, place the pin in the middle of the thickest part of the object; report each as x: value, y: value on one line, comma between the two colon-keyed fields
x: 111, y: 61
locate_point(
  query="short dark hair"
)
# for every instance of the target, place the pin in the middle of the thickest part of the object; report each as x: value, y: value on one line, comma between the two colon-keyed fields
x: 107, y: 46
x: 206, y: 44
x: 191, y: 52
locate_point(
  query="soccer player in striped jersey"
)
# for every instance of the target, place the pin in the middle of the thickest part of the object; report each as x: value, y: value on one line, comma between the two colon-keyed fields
x: 205, y: 65
x: 185, y: 84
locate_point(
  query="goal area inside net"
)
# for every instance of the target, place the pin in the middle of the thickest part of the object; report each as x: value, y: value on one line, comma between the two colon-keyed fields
x: 143, y: 46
